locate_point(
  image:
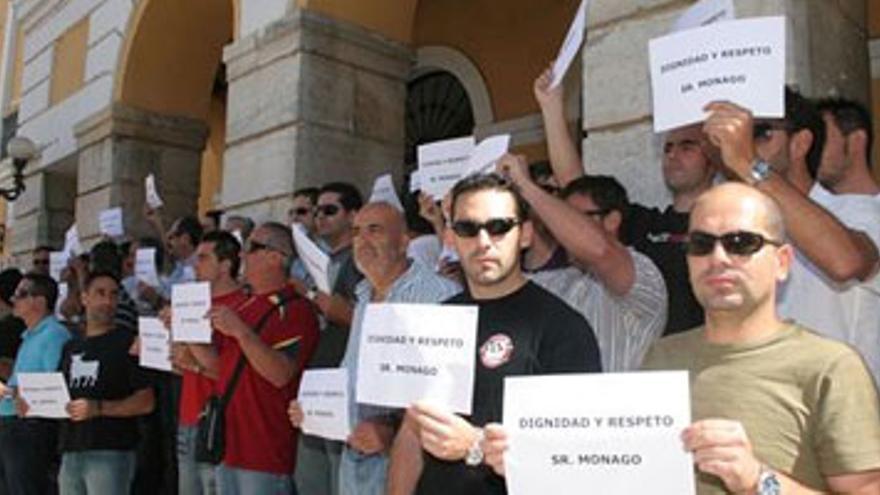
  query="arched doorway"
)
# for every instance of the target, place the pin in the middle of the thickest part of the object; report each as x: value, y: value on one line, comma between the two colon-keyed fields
x: 437, y: 108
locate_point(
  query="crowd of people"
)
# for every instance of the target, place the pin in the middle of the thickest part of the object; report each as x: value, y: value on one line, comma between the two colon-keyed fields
x: 760, y: 279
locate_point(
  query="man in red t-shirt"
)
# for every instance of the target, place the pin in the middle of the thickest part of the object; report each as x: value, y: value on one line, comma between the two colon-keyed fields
x: 217, y: 261
x: 260, y: 442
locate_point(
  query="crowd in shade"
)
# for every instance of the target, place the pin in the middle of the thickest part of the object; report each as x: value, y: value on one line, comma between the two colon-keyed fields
x: 759, y: 279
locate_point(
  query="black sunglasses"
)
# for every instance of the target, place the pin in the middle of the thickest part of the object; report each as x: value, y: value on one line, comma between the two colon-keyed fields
x: 23, y: 293
x: 301, y: 211
x: 327, y: 210
x: 601, y: 212
x: 493, y: 227
x: 254, y: 246
x: 740, y: 243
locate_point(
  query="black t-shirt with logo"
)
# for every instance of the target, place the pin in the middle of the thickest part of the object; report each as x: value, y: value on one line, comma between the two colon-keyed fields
x: 661, y: 237
x: 528, y: 332
x: 101, y: 368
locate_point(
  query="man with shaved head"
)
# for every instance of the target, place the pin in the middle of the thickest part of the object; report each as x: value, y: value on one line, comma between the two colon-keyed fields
x: 379, y: 242
x: 778, y: 408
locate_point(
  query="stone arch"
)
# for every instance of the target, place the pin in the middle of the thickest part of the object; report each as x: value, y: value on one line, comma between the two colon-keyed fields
x: 430, y: 58
x: 171, y: 54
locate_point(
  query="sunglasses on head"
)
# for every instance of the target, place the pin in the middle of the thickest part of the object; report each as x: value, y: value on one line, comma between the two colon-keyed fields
x: 493, y: 227
x: 302, y: 211
x: 327, y: 210
x: 740, y: 243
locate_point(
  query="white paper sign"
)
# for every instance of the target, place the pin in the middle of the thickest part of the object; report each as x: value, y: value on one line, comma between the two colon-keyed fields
x: 323, y: 396
x: 189, y: 306
x: 45, y: 393
x: 316, y: 261
x: 573, y: 40
x: 415, y: 181
x: 740, y: 61
x: 383, y: 190
x: 62, y: 296
x: 443, y: 163
x: 605, y: 431
x: 145, y: 266
x: 155, y: 347
x: 704, y: 13
x: 71, y: 241
x: 488, y: 152
x: 57, y: 263
x: 150, y: 192
x: 412, y: 352
x: 111, y: 222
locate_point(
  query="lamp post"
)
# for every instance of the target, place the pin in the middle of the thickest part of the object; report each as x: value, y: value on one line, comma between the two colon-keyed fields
x: 21, y: 150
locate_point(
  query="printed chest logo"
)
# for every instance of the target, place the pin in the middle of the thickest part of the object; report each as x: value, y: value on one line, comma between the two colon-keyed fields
x: 496, y: 351
x: 83, y: 373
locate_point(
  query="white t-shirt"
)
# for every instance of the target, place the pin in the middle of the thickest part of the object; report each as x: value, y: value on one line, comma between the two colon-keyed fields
x: 847, y: 312
x: 625, y: 326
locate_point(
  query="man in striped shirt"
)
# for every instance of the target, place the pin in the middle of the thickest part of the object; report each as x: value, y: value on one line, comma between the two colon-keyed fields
x: 617, y: 289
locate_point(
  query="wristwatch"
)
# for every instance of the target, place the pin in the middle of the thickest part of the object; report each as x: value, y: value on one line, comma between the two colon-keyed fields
x: 474, y: 455
x: 768, y: 484
x: 760, y: 171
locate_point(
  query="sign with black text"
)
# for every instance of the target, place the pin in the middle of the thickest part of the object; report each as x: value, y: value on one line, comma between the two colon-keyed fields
x: 412, y: 352
x: 603, y: 431
x: 741, y: 61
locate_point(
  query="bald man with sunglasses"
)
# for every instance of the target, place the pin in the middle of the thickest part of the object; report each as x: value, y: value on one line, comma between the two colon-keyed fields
x: 800, y: 412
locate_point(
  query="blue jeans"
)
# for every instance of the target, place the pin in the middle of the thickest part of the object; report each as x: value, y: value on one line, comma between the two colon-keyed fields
x: 317, y: 466
x: 361, y: 474
x: 96, y: 472
x: 193, y: 478
x: 235, y: 481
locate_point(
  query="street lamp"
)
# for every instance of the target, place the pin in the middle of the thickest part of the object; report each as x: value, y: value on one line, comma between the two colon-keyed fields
x: 22, y: 150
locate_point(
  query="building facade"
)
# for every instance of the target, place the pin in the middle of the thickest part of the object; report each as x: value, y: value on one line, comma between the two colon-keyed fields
x: 233, y: 104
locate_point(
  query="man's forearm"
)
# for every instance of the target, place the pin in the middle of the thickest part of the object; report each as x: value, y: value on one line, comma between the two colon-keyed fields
x: 564, y: 157
x: 842, y: 254
x: 269, y: 363
x: 405, y: 466
x: 206, y: 357
x: 136, y: 404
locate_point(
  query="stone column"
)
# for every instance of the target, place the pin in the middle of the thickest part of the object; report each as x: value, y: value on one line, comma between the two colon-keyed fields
x: 311, y: 99
x: 44, y: 211
x: 827, y: 54
x: 118, y: 148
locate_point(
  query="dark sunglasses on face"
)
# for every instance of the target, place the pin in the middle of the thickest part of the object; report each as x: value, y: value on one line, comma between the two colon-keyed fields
x: 254, y: 246
x: 740, y: 243
x: 22, y: 293
x: 41, y: 262
x: 303, y: 211
x: 493, y: 227
x: 327, y: 210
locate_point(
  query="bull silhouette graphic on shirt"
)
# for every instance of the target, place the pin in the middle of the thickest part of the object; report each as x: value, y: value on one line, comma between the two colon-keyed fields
x: 83, y: 373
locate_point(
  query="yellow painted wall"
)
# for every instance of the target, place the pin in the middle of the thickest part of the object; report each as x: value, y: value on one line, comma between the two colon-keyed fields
x: 874, y: 33
x: 17, y: 71
x: 212, y: 157
x: 172, y: 53
x: 392, y: 18
x: 69, y: 62
x: 510, y: 42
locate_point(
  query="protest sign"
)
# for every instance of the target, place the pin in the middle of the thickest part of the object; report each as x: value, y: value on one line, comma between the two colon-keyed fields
x: 155, y: 349
x: 323, y: 396
x: 412, y: 352
x: 567, y: 432
x: 189, y: 307
x: 740, y: 61
x: 46, y: 394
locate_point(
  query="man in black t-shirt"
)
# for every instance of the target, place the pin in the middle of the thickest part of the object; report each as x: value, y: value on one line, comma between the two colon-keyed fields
x: 690, y: 163
x: 522, y: 330
x: 107, y: 390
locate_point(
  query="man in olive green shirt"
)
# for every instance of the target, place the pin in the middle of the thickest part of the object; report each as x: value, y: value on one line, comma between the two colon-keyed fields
x: 778, y: 409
